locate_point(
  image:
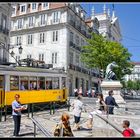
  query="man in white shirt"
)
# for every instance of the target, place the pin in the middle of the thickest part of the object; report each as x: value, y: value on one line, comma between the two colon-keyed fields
x: 77, y: 110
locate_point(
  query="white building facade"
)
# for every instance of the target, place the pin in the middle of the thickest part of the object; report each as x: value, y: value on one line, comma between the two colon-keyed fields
x: 54, y: 33
x: 135, y: 75
x: 109, y: 24
x: 5, y: 15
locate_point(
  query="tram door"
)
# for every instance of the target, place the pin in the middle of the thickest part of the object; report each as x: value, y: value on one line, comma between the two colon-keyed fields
x: 1, y: 89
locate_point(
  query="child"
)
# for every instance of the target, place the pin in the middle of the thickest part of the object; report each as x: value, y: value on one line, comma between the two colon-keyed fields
x: 127, y: 132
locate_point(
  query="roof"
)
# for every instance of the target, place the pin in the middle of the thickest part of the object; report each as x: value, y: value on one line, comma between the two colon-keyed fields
x: 136, y: 63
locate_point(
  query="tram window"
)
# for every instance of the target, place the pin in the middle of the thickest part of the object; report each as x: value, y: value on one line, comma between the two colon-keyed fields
x: 1, y: 81
x: 33, y: 83
x: 41, y: 82
x: 14, y: 83
x: 63, y: 82
x: 55, y: 83
x: 23, y: 83
x: 48, y: 83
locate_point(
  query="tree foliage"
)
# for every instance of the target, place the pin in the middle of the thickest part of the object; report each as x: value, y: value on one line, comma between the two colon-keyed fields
x: 132, y: 85
x: 99, y: 52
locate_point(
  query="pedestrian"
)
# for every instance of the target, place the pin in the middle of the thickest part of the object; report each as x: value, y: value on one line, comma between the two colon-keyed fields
x: 75, y: 92
x: 77, y: 110
x: 89, y: 93
x: 127, y: 132
x: 16, y: 112
x: 63, y: 129
x: 110, y: 102
x: 102, y: 110
x: 80, y: 92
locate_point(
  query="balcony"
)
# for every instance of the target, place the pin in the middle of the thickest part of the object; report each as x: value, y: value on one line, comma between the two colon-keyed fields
x: 88, y: 35
x: 83, y: 32
x: 78, y: 28
x: 4, y: 31
x: 72, y: 23
x: 55, y: 22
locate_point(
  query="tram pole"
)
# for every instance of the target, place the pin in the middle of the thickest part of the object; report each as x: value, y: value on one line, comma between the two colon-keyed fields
x: 5, y: 112
x: 50, y: 108
x: 28, y: 110
x: 32, y: 106
x: 53, y: 107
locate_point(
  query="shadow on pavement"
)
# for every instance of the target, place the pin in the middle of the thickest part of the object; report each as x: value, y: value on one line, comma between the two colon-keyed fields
x: 26, y: 134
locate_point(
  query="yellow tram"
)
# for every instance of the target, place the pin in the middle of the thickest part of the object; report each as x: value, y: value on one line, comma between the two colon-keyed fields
x: 34, y: 85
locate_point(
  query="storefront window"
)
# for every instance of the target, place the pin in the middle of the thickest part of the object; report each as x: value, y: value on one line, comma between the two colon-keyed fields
x: 41, y: 82
x: 24, y: 83
x: 14, y: 83
x: 33, y: 83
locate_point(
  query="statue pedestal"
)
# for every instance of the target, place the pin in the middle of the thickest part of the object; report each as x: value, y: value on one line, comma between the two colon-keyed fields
x: 116, y: 87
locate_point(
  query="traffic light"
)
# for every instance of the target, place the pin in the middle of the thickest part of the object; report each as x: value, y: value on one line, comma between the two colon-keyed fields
x: 101, y: 73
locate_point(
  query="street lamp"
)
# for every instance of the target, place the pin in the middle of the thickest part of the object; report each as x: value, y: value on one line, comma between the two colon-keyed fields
x: 12, y: 53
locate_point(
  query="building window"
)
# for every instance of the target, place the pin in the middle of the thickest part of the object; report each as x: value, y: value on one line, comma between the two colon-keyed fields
x: 31, y: 21
x: 41, y: 57
x: 23, y: 8
x: 29, y: 56
x: 82, y: 42
x: 71, y: 36
x: 71, y: 57
x: 30, y: 39
x: 14, y: 11
x: 54, y: 58
x: 20, y: 23
x: 56, y: 17
x: 45, y: 5
x: 77, y: 39
x: 33, y: 6
x: 77, y: 60
x: 55, y: 36
x: 43, y: 17
x: 18, y: 40
x: 42, y: 37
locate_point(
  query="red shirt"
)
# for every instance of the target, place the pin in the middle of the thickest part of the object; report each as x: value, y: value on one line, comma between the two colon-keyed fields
x: 128, y: 132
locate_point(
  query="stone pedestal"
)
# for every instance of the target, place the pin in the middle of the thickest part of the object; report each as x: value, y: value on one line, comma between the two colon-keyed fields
x: 116, y: 87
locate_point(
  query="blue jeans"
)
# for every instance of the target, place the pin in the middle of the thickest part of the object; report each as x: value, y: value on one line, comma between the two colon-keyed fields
x: 17, y: 121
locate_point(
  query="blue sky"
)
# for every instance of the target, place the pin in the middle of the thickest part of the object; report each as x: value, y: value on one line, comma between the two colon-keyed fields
x: 129, y: 18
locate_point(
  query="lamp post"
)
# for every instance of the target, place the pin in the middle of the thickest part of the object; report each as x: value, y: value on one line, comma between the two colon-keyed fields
x: 12, y: 52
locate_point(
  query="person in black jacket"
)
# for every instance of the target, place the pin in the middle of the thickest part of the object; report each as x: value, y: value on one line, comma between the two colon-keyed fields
x: 110, y: 102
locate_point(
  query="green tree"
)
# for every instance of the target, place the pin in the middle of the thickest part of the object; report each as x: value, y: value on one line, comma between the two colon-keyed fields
x: 99, y: 52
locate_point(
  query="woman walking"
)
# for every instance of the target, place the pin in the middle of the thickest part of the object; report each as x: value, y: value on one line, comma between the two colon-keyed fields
x: 102, y: 110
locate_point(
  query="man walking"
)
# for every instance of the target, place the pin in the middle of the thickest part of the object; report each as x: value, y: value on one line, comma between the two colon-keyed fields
x: 110, y: 102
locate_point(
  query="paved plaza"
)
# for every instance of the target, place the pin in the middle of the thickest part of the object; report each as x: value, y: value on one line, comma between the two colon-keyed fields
x: 100, y: 128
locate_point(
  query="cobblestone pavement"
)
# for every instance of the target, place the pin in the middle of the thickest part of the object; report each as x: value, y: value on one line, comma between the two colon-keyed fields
x: 100, y: 129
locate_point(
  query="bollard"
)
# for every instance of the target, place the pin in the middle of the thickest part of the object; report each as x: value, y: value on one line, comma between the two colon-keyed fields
x: 34, y: 130
x: 68, y: 105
